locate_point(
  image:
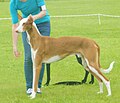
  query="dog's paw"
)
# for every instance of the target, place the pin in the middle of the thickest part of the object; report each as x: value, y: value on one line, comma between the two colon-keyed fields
x: 33, y: 95
x: 83, y: 81
x: 91, y: 82
x: 108, y: 95
x: 100, y: 92
x: 46, y: 84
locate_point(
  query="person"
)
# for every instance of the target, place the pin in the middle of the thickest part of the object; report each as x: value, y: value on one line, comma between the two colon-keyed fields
x: 40, y: 15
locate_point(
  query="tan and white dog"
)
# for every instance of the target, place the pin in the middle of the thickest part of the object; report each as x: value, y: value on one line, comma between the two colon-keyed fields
x: 47, y: 50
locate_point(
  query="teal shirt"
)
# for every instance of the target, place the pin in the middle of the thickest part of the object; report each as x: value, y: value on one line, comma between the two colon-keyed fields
x: 27, y: 8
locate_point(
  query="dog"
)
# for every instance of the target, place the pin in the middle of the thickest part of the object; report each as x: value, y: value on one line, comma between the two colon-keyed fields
x: 79, y: 61
x: 47, y: 50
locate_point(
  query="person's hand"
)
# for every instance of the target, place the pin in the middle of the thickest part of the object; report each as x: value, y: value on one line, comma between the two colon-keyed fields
x: 33, y: 17
x: 16, y: 52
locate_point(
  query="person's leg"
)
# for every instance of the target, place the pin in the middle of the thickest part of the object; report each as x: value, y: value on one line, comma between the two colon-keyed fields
x: 28, y: 66
x: 44, y: 29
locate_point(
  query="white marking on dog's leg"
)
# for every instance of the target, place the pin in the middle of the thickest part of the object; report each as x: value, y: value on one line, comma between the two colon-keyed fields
x: 33, y: 53
x: 108, y: 87
x: 107, y: 83
x: 33, y: 95
x: 101, y: 88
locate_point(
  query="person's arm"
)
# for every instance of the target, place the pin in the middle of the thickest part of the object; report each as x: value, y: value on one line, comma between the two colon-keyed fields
x: 15, y: 40
x: 14, y: 15
x: 41, y: 14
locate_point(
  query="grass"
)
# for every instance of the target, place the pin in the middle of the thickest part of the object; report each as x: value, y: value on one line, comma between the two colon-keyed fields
x: 107, y: 35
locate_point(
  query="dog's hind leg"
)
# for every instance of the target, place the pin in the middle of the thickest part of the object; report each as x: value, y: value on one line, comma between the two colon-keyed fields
x: 80, y: 62
x: 79, y: 59
x: 92, y: 79
x: 101, y: 88
x: 85, y: 77
x: 86, y: 72
x: 48, y: 74
x: 97, y: 73
x: 100, y: 83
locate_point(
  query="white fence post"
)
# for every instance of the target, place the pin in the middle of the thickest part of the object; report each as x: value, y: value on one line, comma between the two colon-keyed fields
x: 99, y: 19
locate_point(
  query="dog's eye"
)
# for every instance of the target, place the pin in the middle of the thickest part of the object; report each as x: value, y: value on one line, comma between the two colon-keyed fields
x: 23, y: 23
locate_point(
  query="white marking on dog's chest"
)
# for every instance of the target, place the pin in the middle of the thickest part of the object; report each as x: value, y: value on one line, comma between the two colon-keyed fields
x: 28, y: 38
x: 33, y: 52
x: 52, y: 59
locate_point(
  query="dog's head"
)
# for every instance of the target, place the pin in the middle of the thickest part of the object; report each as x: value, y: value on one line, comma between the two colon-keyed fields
x: 25, y: 24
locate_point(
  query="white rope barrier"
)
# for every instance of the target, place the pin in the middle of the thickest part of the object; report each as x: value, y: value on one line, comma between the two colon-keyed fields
x: 84, y: 15
x: 5, y: 18
x: 112, y: 16
x: 67, y: 16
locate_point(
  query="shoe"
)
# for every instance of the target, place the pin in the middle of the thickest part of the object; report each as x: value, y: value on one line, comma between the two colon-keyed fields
x: 39, y: 91
x: 29, y: 91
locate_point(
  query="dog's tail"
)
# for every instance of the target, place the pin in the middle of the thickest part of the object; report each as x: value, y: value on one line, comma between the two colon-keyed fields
x: 109, y: 69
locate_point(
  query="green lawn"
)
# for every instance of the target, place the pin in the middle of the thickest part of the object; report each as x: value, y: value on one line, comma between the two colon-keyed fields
x: 107, y: 35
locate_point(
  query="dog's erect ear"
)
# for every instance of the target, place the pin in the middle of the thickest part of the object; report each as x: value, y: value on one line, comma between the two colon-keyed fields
x: 30, y: 19
x: 20, y: 17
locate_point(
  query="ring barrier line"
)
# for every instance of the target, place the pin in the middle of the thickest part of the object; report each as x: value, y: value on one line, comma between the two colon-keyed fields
x: 82, y: 15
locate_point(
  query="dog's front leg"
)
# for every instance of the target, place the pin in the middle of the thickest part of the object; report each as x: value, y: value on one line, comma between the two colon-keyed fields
x: 33, y: 95
x: 36, y: 71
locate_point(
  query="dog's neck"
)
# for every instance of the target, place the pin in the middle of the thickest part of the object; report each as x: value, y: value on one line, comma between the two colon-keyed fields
x: 33, y: 31
x: 33, y: 35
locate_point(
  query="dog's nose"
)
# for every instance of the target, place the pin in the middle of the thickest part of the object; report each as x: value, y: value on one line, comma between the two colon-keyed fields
x: 16, y: 31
